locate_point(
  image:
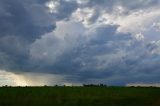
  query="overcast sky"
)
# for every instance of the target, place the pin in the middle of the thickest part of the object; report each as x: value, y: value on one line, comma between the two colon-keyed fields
x: 47, y: 42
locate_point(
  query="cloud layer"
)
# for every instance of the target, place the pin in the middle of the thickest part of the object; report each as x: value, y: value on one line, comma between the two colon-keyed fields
x: 114, y: 42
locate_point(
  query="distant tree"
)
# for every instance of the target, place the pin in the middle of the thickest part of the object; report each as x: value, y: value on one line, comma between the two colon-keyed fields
x: 45, y: 86
x: 103, y: 85
x: 56, y: 85
x: 94, y: 85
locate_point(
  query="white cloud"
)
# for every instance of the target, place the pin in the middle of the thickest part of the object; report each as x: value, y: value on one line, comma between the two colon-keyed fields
x: 83, y: 15
x: 54, y: 44
x: 156, y: 26
x: 139, y: 36
x: 138, y: 22
x: 134, y: 22
x: 53, y: 5
x: 129, y: 20
x: 155, y: 47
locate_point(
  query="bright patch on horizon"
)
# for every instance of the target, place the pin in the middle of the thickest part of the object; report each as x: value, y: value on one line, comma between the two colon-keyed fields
x: 28, y: 79
x: 11, y: 79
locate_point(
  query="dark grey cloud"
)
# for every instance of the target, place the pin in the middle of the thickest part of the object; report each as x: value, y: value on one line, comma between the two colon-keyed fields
x: 18, y: 21
x: 65, y: 9
x: 22, y: 22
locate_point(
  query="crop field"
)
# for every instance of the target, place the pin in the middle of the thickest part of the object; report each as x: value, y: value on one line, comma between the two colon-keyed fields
x: 79, y: 96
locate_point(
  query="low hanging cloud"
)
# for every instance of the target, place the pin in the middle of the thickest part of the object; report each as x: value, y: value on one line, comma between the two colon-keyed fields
x: 113, y: 42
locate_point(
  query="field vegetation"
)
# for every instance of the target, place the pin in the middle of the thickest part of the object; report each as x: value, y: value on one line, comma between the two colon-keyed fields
x: 79, y: 96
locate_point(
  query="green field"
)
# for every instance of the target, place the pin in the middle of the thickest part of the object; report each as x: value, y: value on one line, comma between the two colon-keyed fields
x: 79, y: 96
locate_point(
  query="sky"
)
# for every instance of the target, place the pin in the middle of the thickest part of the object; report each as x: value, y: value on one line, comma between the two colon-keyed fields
x: 48, y: 42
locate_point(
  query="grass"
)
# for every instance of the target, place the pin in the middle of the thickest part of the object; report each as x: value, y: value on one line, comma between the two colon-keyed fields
x: 79, y: 96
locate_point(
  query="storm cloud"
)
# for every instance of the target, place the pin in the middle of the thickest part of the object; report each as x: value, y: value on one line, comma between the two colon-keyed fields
x: 114, y: 42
